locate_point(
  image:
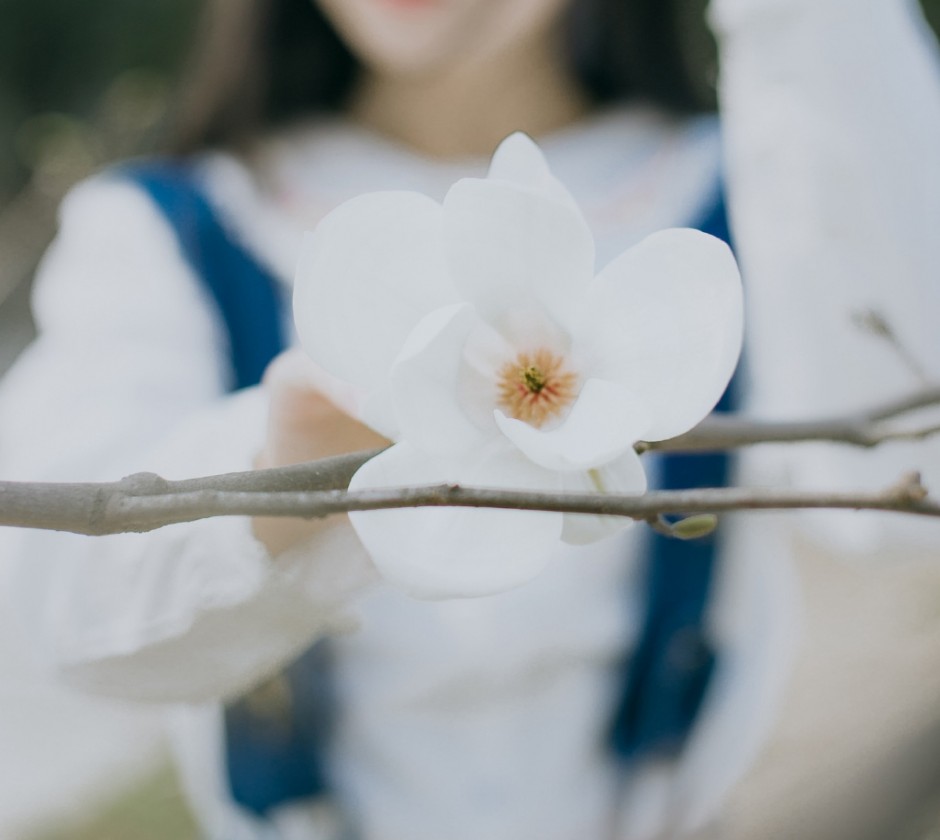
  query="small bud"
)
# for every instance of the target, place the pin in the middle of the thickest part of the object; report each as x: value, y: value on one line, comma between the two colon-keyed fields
x: 693, y: 527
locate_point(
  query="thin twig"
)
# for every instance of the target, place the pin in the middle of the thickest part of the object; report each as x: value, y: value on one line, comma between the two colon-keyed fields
x: 875, y: 323
x: 865, y: 429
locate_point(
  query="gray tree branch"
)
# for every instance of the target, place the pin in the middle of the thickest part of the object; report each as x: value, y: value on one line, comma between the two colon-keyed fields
x: 146, y: 501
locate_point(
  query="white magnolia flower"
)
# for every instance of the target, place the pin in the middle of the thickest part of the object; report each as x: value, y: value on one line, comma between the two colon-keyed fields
x: 487, y: 349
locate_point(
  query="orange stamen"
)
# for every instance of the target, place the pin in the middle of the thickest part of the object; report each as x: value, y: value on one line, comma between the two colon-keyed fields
x: 535, y: 387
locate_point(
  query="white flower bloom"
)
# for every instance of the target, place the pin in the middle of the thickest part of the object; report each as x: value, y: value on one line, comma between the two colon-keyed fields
x: 489, y: 351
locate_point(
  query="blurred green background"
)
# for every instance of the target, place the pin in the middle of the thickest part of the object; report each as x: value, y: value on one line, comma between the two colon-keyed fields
x: 79, y: 69
x: 82, y: 84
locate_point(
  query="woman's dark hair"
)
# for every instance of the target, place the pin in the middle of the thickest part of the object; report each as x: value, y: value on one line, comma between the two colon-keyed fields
x: 261, y: 62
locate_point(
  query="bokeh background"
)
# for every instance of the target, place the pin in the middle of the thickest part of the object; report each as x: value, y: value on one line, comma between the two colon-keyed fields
x: 83, y: 84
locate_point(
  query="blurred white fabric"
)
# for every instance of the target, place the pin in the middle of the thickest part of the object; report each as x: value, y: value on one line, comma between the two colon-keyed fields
x: 63, y: 754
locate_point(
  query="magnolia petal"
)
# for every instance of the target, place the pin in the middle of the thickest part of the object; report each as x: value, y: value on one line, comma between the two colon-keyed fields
x: 511, y: 250
x: 605, y: 421
x: 378, y: 411
x: 426, y: 383
x: 456, y: 552
x: 665, y: 319
x: 623, y: 476
x: 371, y: 270
x: 519, y: 160
x: 485, y: 354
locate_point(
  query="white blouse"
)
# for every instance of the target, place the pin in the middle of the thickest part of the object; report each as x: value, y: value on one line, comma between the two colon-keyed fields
x: 485, y: 718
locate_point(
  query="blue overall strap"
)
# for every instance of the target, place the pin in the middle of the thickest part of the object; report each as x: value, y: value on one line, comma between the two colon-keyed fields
x: 665, y: 677
x: 247, y: 296
x: 273, y: 735
x: 276, y: 736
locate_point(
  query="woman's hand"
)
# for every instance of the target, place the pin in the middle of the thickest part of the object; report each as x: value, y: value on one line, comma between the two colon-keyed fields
x: 310, y: 416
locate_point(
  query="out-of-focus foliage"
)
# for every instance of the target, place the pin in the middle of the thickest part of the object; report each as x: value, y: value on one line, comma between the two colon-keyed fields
x: 81, y: 84
x: 68, y: 69
x: 153, y: 809
x: 932, y: 10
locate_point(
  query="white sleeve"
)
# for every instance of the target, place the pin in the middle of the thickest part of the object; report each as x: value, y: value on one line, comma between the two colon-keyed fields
x: 128, y: 374
x: 831, y: 122
x: 831, y: 116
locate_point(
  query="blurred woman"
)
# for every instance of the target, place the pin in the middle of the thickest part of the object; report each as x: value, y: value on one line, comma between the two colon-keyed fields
x: 489, y: 717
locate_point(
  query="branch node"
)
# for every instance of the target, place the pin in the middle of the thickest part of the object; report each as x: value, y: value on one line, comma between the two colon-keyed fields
x: 659, y: 524
x: 144, y: 484
x: 909, y: 488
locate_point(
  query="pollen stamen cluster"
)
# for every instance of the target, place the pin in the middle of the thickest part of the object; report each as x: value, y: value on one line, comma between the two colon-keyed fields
x: 536, y: 387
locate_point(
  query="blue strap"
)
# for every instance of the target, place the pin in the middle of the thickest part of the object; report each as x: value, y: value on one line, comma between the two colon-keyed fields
x: 248, y: 297
x: 665, y: 678
x: 274, y: 736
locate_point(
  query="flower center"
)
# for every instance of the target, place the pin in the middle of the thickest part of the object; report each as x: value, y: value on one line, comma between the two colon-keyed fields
x: 535, y: 387
x: 533, y: 378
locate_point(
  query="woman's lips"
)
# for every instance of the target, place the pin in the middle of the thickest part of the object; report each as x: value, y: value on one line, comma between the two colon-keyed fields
x: 410, y: 5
